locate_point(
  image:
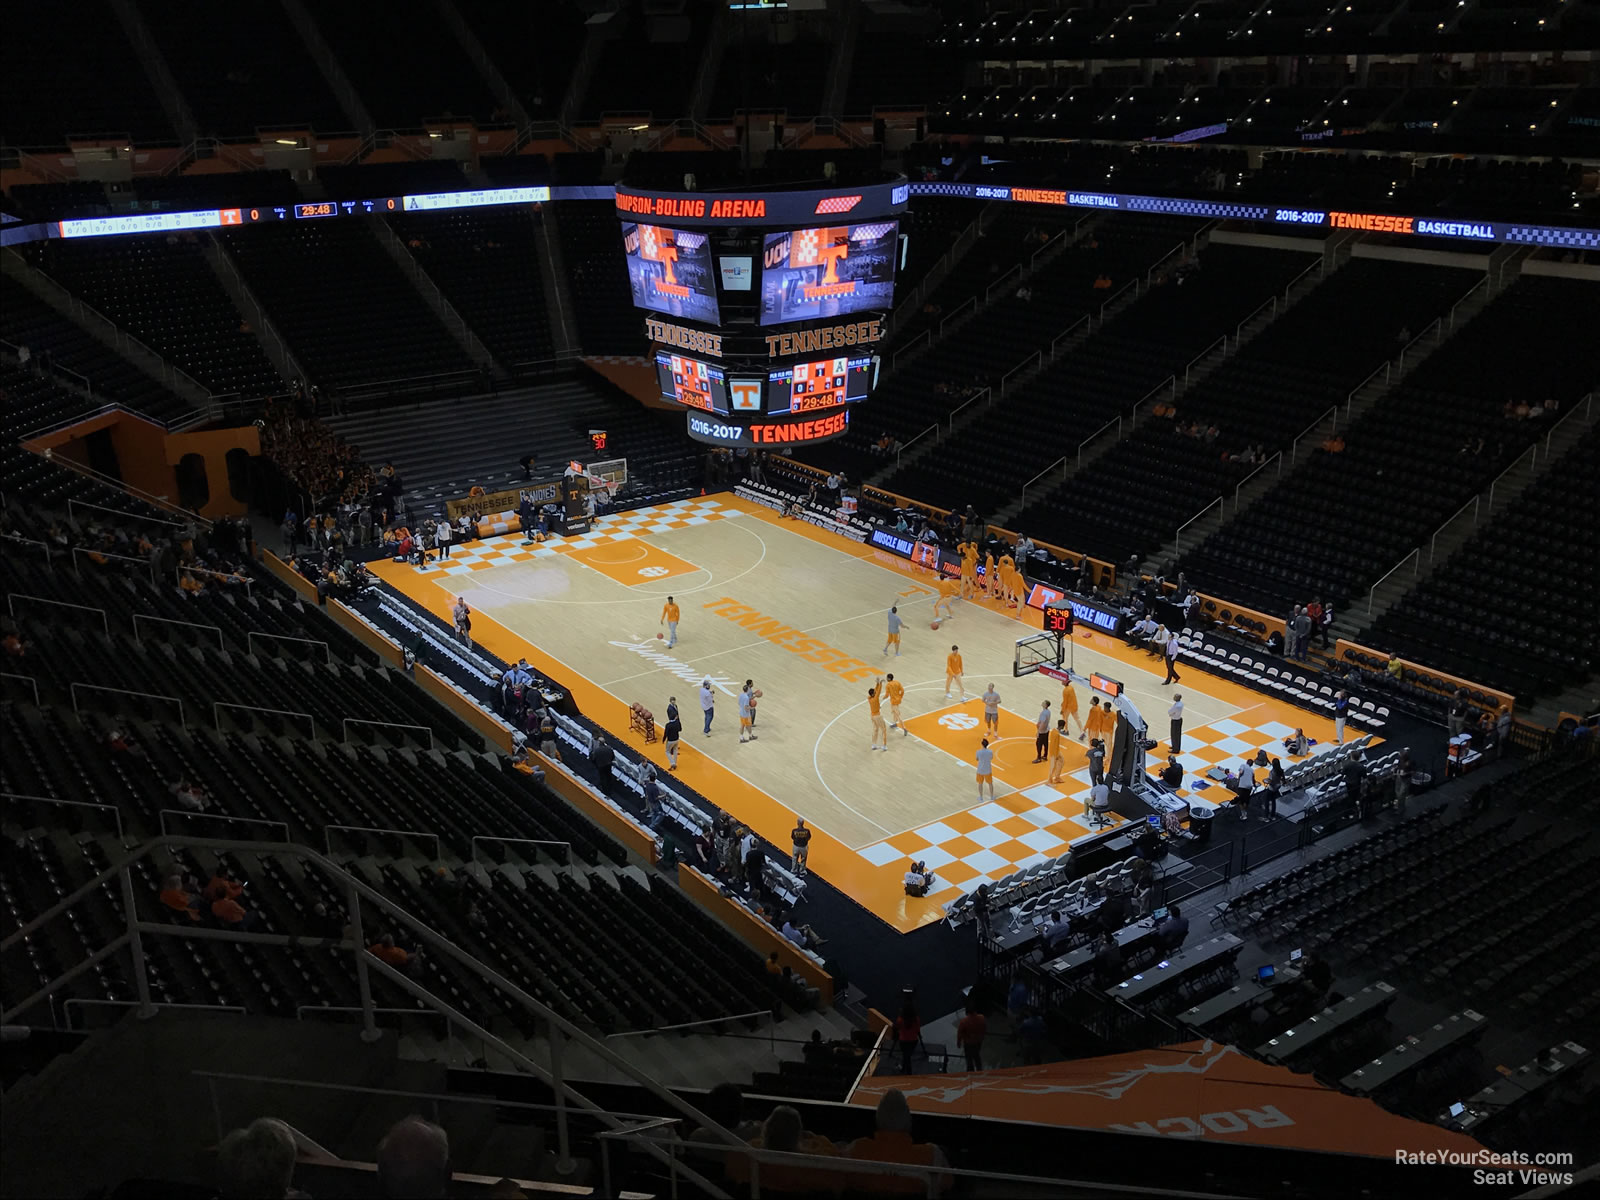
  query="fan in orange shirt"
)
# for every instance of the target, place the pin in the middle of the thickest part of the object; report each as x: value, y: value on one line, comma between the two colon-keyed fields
x: 953, y: 672
x: 896, y: 692
x: 880, y: 732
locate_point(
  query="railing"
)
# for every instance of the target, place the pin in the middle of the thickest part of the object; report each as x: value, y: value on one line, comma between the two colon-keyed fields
x: 119, y: 513
x: 1116, y: 420
x: 1450, y: 317
x: 137, y: 493
x: 1035, y: 359
x: 1531, y: 453
x: 559, y: 1028
x: 922, y: 339
x: 970, y: 302
x: 349, y: 721
x: 632, y: 1033
x: 327, y: 836
x: 13, y: 597
x: 1433, y: 542
x: 1294, y: 446
x: 406, y: 383
x: 1238, y: 332
x: 66, y: 1007
x: 1177, y: 538
x: 1317, y: 267
x: 137, y: 617
x: 1276, y: 458
x: 95, y: 687
x: 984, y: 394
x: 1114, y: 298
x: 1383, y: 369
x: 1055, y: 342
x: 1177, y: 251
x: 116, y: 813
x: 148, y: 564
x: 489, y: 837
x: 1168, y: 385
x: 1414, y: 558
x: 22, y: 541
x: 1582, y: 406
x: 1434, y: 329
x: 227, y: 576
x: 250, y: 641
x: 1003, y: 282
x: 161, y: 819
x: 1050, y: 470
x: 218, y: 706
x: 933, y: 429
x: 27, y: 679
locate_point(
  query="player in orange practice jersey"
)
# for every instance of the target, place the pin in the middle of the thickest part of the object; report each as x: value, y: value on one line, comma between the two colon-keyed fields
x: 880, y: 732
x: 953, y: 672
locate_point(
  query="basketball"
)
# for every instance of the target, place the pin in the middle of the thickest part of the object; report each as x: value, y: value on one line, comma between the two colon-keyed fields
x: 661, y: 637
x: 935, y: 625
x: 756, y: 693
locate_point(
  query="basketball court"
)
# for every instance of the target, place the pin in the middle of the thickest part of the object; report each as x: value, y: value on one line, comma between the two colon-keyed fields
x: 803, y: 613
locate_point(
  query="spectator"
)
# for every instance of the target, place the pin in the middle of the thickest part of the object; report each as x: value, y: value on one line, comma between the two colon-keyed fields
x: 190, y: 796
x: 1057, y: 931
x: 970, y: 1032
x: 653, y: 812
x: 1172, y: 773
x: 671, y: 733
x: 907, y: 1032
x: 980, y: 909
x: 179, y: 899
x: 708, y: 701
x: 222, y: 884
x: 918, y: 879
x: 230, y: 912
x: 892, y: 1143
x: 1032, y: 1031
x: 1297, y: 745
x: 1108, y: 959
x: 724, y: 1106
x: 1402, y: 780
x: 386, y: 951
x: 1395, y: 668
x: 461, y: 616
x: 601, y: 756
x: 1273, y: 790
x: 1502, y: 731
x: 1174, y: 929
x: 801, y: 935
x: 257, y: 1162
x: 784, y: 1133
x: 414, y: 1160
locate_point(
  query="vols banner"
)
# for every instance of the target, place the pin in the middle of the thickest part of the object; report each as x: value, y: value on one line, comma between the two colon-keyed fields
x: 1192, y: 1090
x: 491, y: 503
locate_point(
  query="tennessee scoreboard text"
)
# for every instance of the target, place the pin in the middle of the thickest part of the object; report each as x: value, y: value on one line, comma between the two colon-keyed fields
x: 764, y: 311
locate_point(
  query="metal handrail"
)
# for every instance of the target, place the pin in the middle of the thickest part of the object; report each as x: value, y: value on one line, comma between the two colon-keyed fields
x: 357, y: 890
x: 970, y: 302
x: 1532, y: 450
x: 27, y: 679
x: 119, y: 514
x: 161, y: 819
x: 327, y: 840
x: 1177, y: 538
x: 926, y: 336
x: 1055, y: 342
x: 216, y: 716
x: 149, y: 564
x: 283, y: 637
x: 1222, y: 341
x: 129, y: 489
x: 1116, y: 420
x: 1169, y: 384
x: 137, y: 617
x: 1176, y: 251
x: 66, y: 1007
x: 904, y: 446
x: 1451, y: 315
x: 22, y: 541
x: 111, y: 808
x: 72, y: 690
x: 301, y: 1010
x: 1373, y: 594
x: 1294, y: 446
x: 1115, y: 296
x: 230, y: 576
x: 1382, y: 369
x: 1585, y: 403
x: 1060, y: 462
x: 489, y: 837
x: 1435, y: 327
x: 1060, y: 236
x: 1433, y: 542
x: 1278, y: 458
x: 1003, y: 281
x: 349, y: 721
x: 13, y: 597
x: 1238, y: 332
x: 967, y: 403
x: 629, y: 1033
x: 1318, y: 266
x: 1037, y: 357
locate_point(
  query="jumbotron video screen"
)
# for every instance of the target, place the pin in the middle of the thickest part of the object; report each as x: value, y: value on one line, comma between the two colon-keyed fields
x: 671, y: 272
x: 811, y: 274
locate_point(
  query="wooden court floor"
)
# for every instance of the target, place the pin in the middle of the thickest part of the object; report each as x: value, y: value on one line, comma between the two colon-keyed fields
x: 803, y: 613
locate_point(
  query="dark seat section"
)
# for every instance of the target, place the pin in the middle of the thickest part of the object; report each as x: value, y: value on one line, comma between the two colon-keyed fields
x: 344, y: 305
x: 162, y: 290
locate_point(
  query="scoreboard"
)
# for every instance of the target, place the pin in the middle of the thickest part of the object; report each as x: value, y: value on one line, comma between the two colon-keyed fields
x: 764, y: 309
